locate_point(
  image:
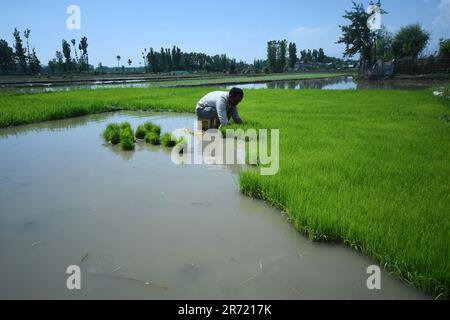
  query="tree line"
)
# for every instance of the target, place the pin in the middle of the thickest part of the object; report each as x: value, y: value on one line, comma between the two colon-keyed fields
x: 73, y: 57
x: 64, y: 62
x: 171, y: 59
x: 282, y: 56
x: 374, y: 45
x: 20, y: 59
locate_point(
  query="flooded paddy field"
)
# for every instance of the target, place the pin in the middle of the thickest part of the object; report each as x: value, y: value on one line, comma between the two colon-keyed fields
x: 141, y: 227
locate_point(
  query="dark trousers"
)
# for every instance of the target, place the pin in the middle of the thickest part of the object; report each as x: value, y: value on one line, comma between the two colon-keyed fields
x: 210, y: 114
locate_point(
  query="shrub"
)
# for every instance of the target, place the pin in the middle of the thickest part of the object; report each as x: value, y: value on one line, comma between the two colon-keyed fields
x: 153, y: 138
x: 167, y: 140
x: 141, y: 132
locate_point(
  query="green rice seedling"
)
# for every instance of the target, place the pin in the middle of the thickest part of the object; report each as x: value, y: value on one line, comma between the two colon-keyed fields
x: 126, y: 140
x: 153, y: 138
x: 151, y: 127
x: 141, y: 132
x: 157, y: 129
x: 112, y: 133
x: 126, y: 126
x: 342, y: 163
x: 167, y: 140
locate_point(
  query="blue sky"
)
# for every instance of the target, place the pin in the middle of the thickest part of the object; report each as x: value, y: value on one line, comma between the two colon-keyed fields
x: 238, y: 28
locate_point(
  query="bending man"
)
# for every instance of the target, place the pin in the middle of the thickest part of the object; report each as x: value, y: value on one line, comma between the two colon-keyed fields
x: 220, y: 106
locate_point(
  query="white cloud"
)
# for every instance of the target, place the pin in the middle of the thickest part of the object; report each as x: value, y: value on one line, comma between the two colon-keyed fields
x: 443, y: 14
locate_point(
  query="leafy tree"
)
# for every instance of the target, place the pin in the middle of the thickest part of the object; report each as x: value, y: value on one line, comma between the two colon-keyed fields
x: 73, y: 41
x: 383, y: 45
x: 410, y: 41
x: 272, y: 55
x: 233, y: 66
x: 52, y: 66
x: 357, y: 36
x: 7, y: 63
x: 276, y: 55
x: 144, y: 57
x: 292, y: 55
x: 100, y: 67
x: 35, y: 64
x: 444, y: 48
x: 118, y: 57
x: 282, y: 55
x: 152, y: 61
x: 163, y: 60
x: 321, y: 57
x: 303, y: 55
x: 84, y: 53
x: 59, y: 61
x: 169, y: 63
x: 315, y: 55
x: 20, y: 52
x: 26, y: 34
x: 176, y: 57
x: 67, y: 55
x: 259, y: 65
x: 309, y: 57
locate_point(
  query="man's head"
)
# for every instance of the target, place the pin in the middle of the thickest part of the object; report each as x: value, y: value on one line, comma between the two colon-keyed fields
x: 236, y: 96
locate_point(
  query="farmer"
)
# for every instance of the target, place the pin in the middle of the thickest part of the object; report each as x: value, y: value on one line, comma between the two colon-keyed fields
x: 219, y: 106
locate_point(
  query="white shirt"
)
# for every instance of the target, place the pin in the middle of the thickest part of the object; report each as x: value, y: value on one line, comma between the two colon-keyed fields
x: 219, y: 101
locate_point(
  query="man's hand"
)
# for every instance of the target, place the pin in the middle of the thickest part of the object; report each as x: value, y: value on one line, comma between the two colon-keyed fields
x: 239, y: 121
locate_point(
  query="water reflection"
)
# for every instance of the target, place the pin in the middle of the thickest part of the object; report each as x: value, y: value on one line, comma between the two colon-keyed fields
x: 332, y: 83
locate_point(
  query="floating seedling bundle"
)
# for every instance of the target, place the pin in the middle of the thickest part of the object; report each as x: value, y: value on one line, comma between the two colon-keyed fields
x: 123, y: 134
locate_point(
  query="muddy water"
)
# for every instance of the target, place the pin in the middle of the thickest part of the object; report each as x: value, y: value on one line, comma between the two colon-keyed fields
x: 141, y: 227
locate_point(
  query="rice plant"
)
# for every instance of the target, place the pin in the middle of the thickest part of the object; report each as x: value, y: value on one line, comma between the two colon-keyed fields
x: 153, y: 138
x: 127, y: 139
x: 168, y: 141
x: 367, y: 167
x: 141, y: 132
x: 151, y: 127
x: 126, y: 126
x: 112, y: 133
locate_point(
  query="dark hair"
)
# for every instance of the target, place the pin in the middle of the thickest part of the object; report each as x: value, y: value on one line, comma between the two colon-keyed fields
x: 237, y: 92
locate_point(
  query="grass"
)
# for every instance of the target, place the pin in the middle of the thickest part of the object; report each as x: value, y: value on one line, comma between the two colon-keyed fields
x: 123, y: 134
x: 141, y: 132
x: 151, y: 127
x: 368, y: 168
x: 126, y: 137
x: 153, y: 138
x: 112, y: 134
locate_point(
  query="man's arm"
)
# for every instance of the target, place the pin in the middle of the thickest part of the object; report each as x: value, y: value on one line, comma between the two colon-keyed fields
x: 235, y: 115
